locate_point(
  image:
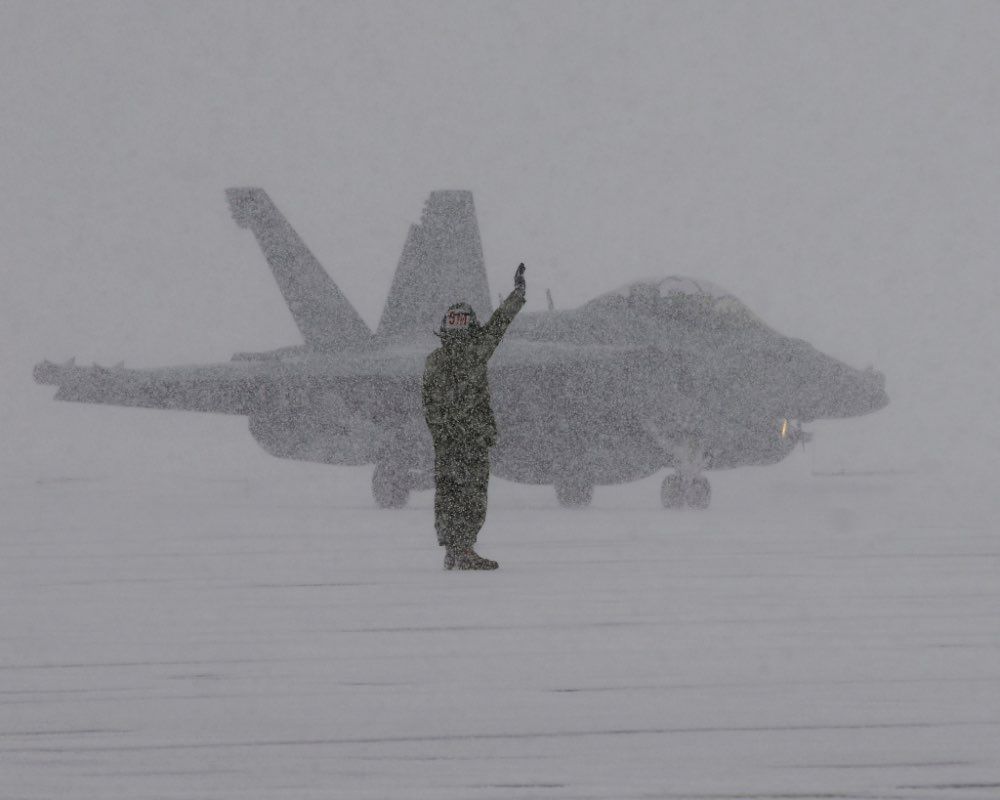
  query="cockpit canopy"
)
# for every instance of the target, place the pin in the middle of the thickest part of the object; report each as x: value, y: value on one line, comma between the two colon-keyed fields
x: 646, y: 312
x: 676, y: 298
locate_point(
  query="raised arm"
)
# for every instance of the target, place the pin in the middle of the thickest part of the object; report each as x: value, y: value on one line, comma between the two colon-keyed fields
x: 493, y: 331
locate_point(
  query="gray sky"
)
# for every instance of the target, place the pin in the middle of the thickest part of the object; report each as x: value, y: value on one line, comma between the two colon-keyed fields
x: 832, y: 164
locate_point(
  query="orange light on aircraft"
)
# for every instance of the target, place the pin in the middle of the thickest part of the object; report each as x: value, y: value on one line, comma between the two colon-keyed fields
x: 784, y: 429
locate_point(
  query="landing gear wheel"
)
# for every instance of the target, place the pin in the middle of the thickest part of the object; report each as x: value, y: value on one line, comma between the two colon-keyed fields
x: 678, y: 492
x: 574, y: 494
x: 672, y: 492
x: 698, y: 493
x: 389, y: 487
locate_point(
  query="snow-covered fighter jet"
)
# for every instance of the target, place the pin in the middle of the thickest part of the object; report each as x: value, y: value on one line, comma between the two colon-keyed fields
x: 670, y: 372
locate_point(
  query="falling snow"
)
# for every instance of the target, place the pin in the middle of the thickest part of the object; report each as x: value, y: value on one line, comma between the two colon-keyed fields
x: 784, y: 193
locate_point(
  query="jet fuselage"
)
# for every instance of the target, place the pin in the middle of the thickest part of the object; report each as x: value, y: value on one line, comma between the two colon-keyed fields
x: 661, y: 373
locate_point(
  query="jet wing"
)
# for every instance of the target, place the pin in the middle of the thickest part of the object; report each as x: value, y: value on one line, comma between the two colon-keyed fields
x: 222, y: 388
x: 235, y: 387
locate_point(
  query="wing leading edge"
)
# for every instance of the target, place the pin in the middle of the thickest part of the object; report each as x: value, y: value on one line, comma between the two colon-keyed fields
x: 219, y: 388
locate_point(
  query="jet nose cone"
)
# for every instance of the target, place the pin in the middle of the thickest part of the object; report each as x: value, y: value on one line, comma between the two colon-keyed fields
x: 876, y: 385
x: 860, y: 392
x: 828, y: 388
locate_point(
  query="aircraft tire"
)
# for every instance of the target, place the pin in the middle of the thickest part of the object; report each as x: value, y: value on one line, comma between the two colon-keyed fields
x: 699, y: 493
x: 672, y: 491
x: 388, y: 487
x: 574, y: 494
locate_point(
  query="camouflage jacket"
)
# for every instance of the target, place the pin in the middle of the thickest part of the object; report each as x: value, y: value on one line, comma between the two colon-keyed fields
x: 456, y: 392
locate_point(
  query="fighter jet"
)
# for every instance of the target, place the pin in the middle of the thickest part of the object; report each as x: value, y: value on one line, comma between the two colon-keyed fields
x: 664, y: 373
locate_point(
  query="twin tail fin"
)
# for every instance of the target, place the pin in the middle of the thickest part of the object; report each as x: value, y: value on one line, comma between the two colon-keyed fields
x: 441, y: 264
x: 324, y: 316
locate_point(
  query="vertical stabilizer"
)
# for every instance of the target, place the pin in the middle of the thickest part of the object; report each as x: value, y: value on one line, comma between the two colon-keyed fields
x: 324, y: 316
x: 441, y: 264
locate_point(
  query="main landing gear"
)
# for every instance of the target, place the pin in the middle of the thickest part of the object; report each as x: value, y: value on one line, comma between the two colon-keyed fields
x: 574, y: 493
x: 680, y: 491
x: 404, y: 463
x: 389, y: 486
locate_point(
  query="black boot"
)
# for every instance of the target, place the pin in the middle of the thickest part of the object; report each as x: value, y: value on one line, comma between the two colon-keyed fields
x: 467, y: 558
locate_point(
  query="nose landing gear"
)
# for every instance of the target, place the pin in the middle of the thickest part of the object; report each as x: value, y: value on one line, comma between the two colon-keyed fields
x: 687, y: 487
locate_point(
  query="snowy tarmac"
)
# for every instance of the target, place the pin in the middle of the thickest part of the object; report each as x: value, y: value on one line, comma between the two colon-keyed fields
x: 185, y: 617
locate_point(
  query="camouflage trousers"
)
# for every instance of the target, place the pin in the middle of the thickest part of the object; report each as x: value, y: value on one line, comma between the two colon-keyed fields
x: 461, y: 480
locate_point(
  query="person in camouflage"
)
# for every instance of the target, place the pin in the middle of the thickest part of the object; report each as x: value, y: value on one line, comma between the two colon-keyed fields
x: 456, y: 397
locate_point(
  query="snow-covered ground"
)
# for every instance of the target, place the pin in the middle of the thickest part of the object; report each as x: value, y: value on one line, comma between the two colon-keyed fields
x: 183, y: 616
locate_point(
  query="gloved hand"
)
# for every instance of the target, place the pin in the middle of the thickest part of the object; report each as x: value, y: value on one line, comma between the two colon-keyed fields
x: 519, y: 282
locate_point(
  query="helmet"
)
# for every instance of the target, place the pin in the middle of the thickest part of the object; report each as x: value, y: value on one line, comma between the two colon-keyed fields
x: 458, y: 319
